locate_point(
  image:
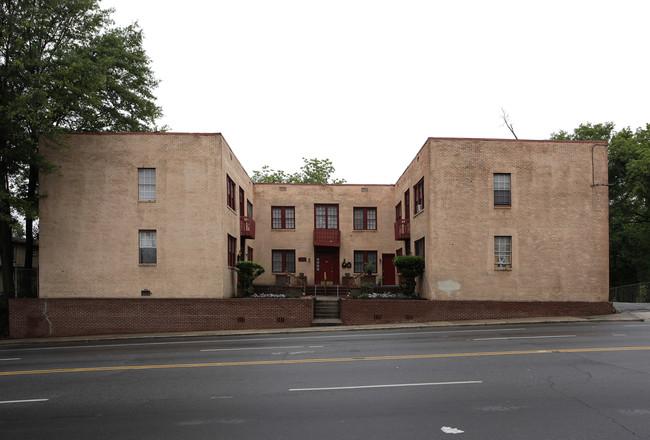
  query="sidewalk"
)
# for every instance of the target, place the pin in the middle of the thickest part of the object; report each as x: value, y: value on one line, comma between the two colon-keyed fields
x: 626, y: 312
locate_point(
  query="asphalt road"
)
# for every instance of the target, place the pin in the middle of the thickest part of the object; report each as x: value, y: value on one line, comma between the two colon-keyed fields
x: 557, y: 381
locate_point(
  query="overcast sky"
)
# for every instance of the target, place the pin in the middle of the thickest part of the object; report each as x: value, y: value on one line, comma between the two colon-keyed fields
x: 365, y: 83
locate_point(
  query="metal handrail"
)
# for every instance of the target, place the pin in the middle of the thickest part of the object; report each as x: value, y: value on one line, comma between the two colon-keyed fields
x: 299, y: 281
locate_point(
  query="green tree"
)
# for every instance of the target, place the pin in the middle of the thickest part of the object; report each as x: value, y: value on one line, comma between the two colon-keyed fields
x: 629, y: 197
x: 63, y: 67
x: 411, y: 267
x: 248, y: 272
x: 313, y: 171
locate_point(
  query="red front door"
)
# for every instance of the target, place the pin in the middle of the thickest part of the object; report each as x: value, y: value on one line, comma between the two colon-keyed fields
x: 387, y: 269
x: 326, y: 267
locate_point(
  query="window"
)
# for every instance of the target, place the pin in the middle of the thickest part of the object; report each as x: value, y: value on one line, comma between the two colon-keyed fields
x: 250, y: 254
x: 407, y: 204
x: 501, y: 189
x: 230, y: 192
x: 365, y: 218
x: 232, y: 251
x: 146, y: 183
x: 419, y: 247
x: 148, y: 247
x: 398, y: 252
x: 418, y: 194
x: 283, y: 217
x: 327, y: 216
x: 284, y: 261
x: 242, y: 199
x: 361, y: 258
x: 398, y: 211
x: 249, y: 208
x: 502, y: 253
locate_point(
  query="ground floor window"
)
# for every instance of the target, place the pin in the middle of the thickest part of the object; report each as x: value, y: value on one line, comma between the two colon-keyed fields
x: 148, y: 247
x: 232, y: 251
x: 361, y: 258
x: 283, y: 261
x: 419, y: 247
x: 502, y: 252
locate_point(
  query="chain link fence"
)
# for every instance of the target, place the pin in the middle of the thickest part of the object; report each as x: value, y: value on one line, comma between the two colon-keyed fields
x: 633, y: 293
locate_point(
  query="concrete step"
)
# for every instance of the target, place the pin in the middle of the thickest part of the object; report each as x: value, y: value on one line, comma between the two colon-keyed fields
x: 325, y: 322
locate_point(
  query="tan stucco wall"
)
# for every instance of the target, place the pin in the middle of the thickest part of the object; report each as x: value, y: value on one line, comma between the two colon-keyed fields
x: 90, y: 216
x: 557, y: 220
x: 303, y: 198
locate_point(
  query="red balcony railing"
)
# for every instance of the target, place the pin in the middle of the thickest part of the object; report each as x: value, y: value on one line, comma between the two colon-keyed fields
x: 327, y: 237
x: 402, y: 229
x: 247, y: 226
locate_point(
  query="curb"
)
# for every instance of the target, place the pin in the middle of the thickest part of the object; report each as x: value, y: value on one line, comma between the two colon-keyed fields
x: 616, y: 317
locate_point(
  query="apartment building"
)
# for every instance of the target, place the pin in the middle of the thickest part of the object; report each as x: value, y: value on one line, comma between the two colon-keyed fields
x: 167, y: 215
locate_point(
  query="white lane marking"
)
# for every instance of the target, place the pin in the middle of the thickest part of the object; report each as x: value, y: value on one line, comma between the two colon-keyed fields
x: 524, y: 337
x: 354, y: 334
x: 395, y: 385
x: 24, y: 401
x: 252, y: 348
x: 448, y: 430
x: 10, y: 359
x: 619, y: 334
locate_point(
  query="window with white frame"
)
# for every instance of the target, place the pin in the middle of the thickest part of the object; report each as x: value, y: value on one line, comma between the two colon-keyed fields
x: 502, y: 252
x: 501, y: 189
x: 148, y: 247
x: 146, y: 183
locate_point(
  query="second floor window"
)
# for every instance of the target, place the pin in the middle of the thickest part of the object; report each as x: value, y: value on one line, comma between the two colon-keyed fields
x: 230, y: 192
x: 146, y: 183
x: 283, y: 217
x: 326, y: 216
x: 418, y: 195
x: 365, y: 218
x: 501, y: 189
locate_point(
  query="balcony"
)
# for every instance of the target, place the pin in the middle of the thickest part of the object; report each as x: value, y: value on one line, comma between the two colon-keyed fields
x: 327, y: 237
x: 402, y: 229
x: 247, y: 226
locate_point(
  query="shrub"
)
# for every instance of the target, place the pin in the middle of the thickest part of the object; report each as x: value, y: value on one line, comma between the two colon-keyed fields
x: 248, y: 271
x: 411, y: 267
x: 366, y: 289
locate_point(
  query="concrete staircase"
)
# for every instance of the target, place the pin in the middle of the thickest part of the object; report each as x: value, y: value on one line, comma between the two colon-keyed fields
x: 326, y: 312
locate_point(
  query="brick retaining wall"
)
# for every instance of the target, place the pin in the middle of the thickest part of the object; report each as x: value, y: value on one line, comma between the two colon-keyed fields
x: 378, y: 311
x: 35, y: 318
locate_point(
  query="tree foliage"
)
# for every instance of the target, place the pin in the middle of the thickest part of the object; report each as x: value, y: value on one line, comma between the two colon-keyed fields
x: 313, y: 171
x: 411, y: 267
x: 629, y: 197
x: 248, y: 272
x: 63, y: 67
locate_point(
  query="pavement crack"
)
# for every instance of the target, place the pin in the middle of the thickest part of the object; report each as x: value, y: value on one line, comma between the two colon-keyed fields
x: 566, y: 394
